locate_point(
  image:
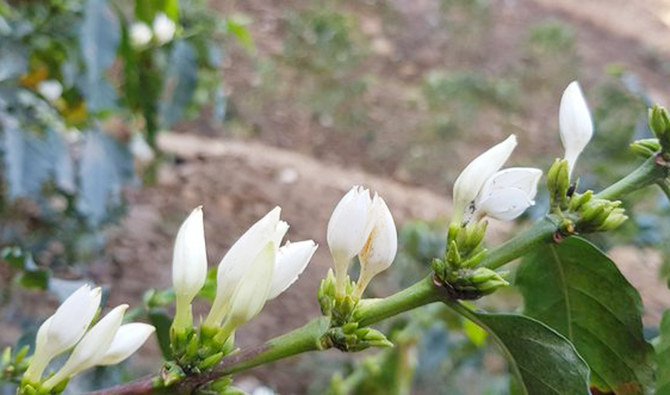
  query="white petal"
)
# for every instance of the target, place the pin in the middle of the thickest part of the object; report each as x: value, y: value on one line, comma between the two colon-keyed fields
x: 292, y: 259
x: 127, y: 340
x: 236, y: 263
x: 505, y: 205
x: 252, y: 291
x: 92, y: 347
x: 575, y: 123
x: 140, y: 34
x: 189, y: 260
x: 523, y: 178
x: 472, y: 178
x: 70, y: 321
x: 164, y: 28
x: 348, y: 227
x: 380, y: 250
x: 280, y: 232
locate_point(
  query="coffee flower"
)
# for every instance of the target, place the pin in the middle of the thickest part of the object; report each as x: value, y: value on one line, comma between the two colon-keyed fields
x: 106, y: 343
x: 50, y: 89
x: 471, y: 180
x: 381, y: 246
x: 364, y: 227
x: 254, y: 270
x: 189, y: 266
x: 91, y: 349
x: 140, y: 34
x: 508, y: 193
x: 348, y: 229
x: 575, y: 123
x: 164, y: 28
x: 63, y: 330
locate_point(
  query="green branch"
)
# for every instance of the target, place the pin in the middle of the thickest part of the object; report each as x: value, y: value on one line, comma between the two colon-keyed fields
x: 649, y: 173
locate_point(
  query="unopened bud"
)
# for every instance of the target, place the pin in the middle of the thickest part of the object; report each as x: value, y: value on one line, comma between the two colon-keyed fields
x: 558, y: 182
x: 659, y: 122
x: 579, y: 200
x: 614, y: 220
x: 453, y: 258
x: 487, y: 281
x: 645, y: 148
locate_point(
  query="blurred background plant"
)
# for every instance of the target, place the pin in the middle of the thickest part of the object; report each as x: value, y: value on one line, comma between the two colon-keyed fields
x: 85, y: 87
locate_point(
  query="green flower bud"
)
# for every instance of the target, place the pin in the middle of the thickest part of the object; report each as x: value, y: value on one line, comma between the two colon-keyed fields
x: 579, y: 200
x: 211, y: 361
x: 453, y: 256
x: 614, y: 220
x: 645, y: 148
x: 558, y: 182
x: 659, y: 122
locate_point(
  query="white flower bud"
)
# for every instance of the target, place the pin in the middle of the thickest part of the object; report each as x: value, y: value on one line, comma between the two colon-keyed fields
x: 253, y: 289
x: 236, y: 263
x: 140, y: 149
x: 348, y: 229
x: 189, y: 261
x: 575, y: 123
x: 292, y: 259
x: 128, y: 339
x: 472, y: 178
x: 164, y: 28
x: 92, y: 347
x: 140, y: 34
x: 50, y: 89
x: 382, y: 244
x: 64, y: 329
x: 508, y: 193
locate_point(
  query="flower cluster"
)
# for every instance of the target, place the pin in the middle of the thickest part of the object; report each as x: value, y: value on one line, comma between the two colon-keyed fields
x: 108, y: 342
x: 483, y: 190
x: 254, y: 270
x: 163, y: 30
x: 364, y: 227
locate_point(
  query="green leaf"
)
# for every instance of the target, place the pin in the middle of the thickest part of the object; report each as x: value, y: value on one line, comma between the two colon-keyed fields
x: 576, y: 289
x: 146, y: 10
x: 181, y: 80
x: 162, y: 322
x: 542, y: 360
x: 100, y: 37
x: 663, y: 357
x: 237, y: 26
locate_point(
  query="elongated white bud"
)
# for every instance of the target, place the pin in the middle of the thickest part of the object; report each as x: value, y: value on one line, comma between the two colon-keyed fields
x: 236, y: 263
x: 252, y: 291
x: 92, y: 347
x: 189, y: 266
x: 64, y: 329
x: 128, y: 339
x: 189, y: 261
x: 575, y: 123
x: 348, y: 229
x: 164, y: 28
x: 472, y: 178
x: 292, y: 259
x: 140, y: 34
x: 382, y: 244
x: 508, y: 193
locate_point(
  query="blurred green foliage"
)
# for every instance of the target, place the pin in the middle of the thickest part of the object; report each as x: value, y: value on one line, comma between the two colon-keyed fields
x: 82, y: 96
x: 327, y: 50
